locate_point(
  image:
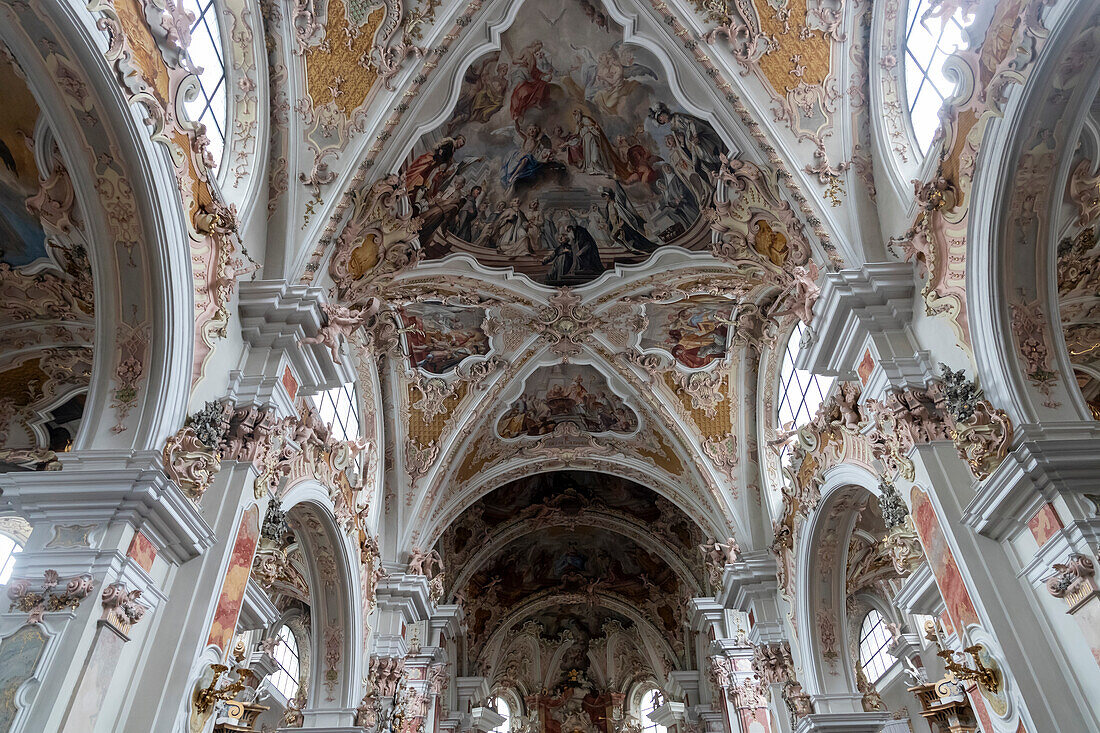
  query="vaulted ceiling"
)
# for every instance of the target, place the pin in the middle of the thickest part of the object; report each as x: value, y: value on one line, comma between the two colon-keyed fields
x: 46, y: 295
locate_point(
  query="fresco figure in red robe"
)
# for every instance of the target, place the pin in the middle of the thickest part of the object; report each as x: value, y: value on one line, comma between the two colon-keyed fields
x: 534, y: 90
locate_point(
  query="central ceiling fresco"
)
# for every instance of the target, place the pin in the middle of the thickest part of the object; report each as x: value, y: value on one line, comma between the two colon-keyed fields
x: 563, y: 159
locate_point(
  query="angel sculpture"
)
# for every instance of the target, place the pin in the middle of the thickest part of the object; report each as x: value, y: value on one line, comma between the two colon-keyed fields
x: 802, y: 293
x: 340, y: 321
x: 424, y: 563
x: 713, y: 553
x: 731, y: 550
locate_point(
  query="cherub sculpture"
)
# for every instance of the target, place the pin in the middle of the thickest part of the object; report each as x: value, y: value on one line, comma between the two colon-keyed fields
x: 341, y: 321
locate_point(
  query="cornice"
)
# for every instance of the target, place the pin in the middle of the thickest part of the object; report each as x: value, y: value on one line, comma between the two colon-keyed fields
x: 1048, y: 460
x: 112, y: 486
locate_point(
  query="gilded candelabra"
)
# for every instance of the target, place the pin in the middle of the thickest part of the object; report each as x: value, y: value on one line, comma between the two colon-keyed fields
x: 205, y: 698
x: 986, y: 677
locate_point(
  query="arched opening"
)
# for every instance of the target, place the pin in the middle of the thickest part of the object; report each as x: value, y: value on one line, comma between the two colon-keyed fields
x: 651, y: 701
x: 874, y: 640
x: 502, y: 708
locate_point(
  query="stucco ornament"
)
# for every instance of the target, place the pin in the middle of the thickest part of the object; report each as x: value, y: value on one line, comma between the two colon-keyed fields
x: 394, y: 42
x: 901, y: 544
x: 424, y: 563
x: 293, y: 717
x: 191, y: 454
x: 1072, y: 576
x: 219, y: 222
x: 386, y: 674
x: 704, y: 388
x: 757, y: 228
x: 982, y: 433
x: 121, y: 607
x: 38, y: 599
x: 723, y: 451
x: 871, y: 699
x: 907, y: 417
x: 378, y: 239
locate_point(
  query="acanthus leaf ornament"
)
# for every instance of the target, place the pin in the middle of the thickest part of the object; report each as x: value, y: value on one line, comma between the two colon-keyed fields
x: 37, y: 600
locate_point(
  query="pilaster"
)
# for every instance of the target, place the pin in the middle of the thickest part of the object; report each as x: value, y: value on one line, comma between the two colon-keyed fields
x: 107, y: 531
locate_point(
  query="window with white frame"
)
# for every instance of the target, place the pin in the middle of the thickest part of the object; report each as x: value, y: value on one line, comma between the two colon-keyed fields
x: 928, y: 43
x: 286, y: 677
x: 206, y: 53
x: 339, y: 411
x: 651, y: 700
x: 874, y: 639
x: 8, y: 550
x: 800, y: 392
x: 501, y: 706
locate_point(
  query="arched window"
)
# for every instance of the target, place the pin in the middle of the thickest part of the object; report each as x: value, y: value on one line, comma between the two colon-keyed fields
x: 286, y: 677
x: 8, y: 549
x: 800, y: 392
x: 651, y: 700
x: 873, y: 641
x: 339, y: 411
x: 928, y: 43
x: 501, y: 706
x: 205, y: 52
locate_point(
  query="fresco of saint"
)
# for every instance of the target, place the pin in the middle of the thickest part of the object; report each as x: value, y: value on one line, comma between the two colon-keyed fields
x: 694, y: 331
x: 581, y: 398
x: 561, y: 162
x: 440, y: 336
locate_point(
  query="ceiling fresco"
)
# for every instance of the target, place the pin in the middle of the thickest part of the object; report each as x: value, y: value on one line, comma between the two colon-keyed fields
x: 569, y: 494
x: 572, y: 561
x: 440, y: 337
x: 561, y: 160
x: 568, y: 541
x: 695, y: 330
x: 556, y: 396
